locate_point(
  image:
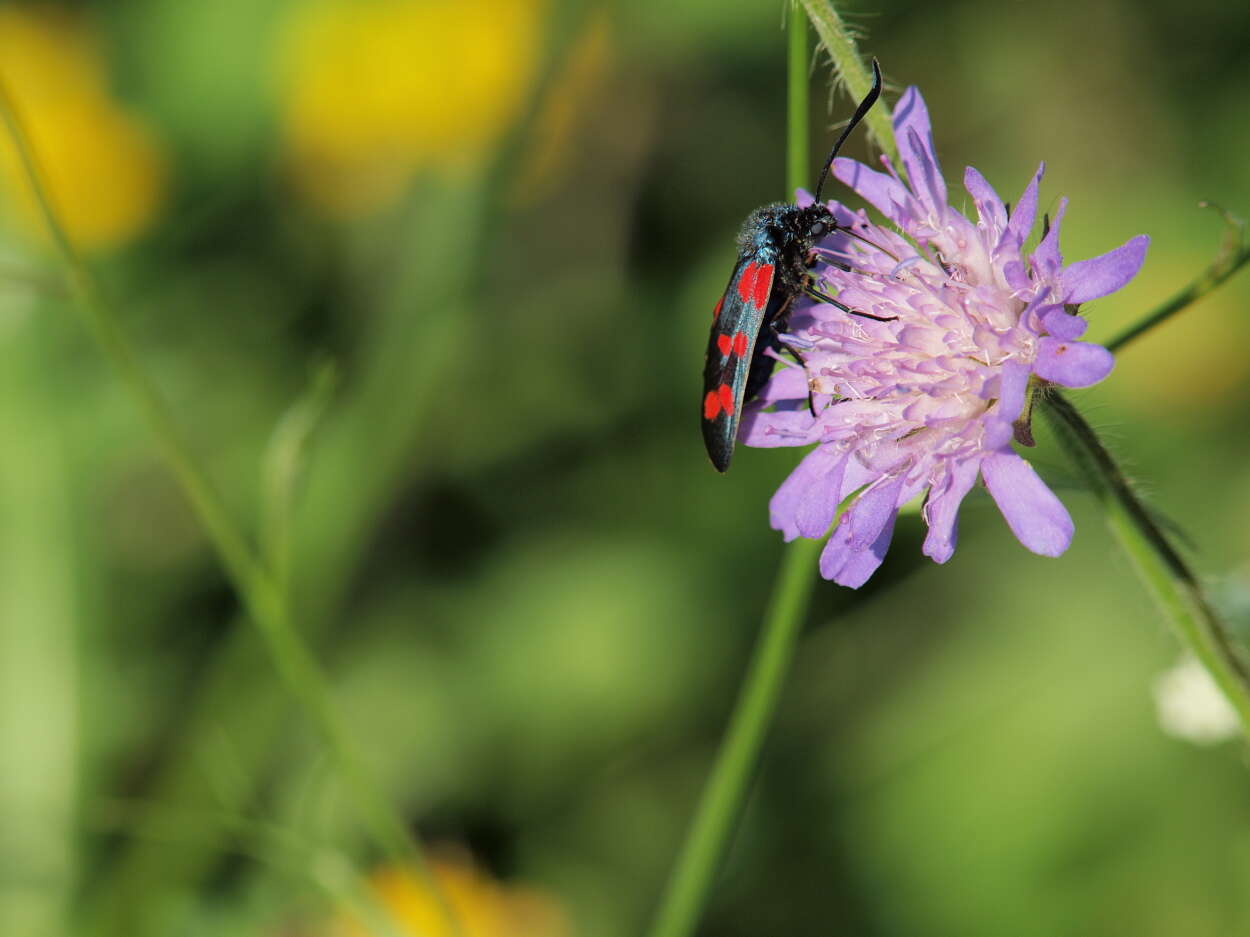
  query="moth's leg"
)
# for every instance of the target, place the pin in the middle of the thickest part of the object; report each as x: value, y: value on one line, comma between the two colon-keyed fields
x: 798, y: 359
x: 814, y: 293
x: 811, y: 397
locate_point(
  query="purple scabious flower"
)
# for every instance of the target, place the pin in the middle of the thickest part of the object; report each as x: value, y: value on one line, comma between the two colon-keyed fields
x: 929, y: 401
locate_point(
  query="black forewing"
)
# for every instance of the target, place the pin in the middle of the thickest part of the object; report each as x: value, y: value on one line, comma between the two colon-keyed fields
x: 731, y: 352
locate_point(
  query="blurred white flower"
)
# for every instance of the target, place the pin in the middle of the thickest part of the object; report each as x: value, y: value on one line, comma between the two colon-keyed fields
x: 1190, y: 706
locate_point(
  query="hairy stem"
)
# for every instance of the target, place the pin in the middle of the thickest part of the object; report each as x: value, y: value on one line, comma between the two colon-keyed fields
x: 1171, y: 582
x: 1232, y: 257
x: 850, y: 71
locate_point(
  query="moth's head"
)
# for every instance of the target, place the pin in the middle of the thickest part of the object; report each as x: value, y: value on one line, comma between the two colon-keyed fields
x: 811, y: 223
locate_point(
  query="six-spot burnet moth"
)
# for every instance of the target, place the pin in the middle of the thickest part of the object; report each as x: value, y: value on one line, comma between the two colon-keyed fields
x: 774, y: 260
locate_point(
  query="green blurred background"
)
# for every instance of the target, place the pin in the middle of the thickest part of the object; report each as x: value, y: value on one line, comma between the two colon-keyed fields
x: 500, y: 226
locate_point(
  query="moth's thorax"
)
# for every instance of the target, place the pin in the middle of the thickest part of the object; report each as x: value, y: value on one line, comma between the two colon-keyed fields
x: 782, y: 234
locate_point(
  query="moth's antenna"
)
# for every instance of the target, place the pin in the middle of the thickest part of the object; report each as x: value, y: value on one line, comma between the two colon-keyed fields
x: 869, y: 100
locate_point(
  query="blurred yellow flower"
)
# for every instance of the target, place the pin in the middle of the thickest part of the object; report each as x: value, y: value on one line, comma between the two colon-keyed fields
x: 483, y: 907
x: 104, y: 171
x: 374, y: 90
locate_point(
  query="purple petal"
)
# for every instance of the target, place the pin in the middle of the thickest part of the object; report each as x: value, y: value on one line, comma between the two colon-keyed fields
x: 1037, y: 518
x: 803, y: 198
x: 872, y: 510
x: 1060, y: 323
x: 785, y: 384
x: 941, y: 511
x: 1072, y: 364
x: 1031, y: 313
x: 1100, y: 276
x: 990, y: 208
x: 878, y: 189
x: 1016, y: 276
x: 1046, y: 259
x: 1013, y: 383
x: 915, y: 139
x: 844, y: 216
x: 857, y: 476
x: 766, y: 429
x: 926, y: 179
x: 1022, y: 216
x: 806, y: 502
x: 847, y: 566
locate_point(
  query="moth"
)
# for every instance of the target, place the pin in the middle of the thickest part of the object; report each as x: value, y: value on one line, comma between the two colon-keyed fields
x: 774, y: 267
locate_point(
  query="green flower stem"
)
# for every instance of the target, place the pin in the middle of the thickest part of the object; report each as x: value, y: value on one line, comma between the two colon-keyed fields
x: 265, y: 602
x: 1231, y: 259
x: 721, y: 803
x: 798, y: 103
x: 1170, y: 580
x: 850, y: 70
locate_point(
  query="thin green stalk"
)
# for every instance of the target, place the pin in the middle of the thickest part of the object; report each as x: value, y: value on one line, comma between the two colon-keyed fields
x: 265, y: 601
x: 1231, y: 258
x: 849, y: 70
x: 798, y: 131
x: 237, y: 557
x: 798, y: 103
x: 1173, y: 584
x: 721, y: 802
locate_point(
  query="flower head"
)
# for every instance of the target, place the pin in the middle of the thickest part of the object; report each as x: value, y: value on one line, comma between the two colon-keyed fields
x: 929, y: 401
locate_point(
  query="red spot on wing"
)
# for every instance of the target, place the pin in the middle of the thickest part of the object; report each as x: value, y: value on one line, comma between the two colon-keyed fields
x: 755, y: 284
x: 716, y: 312
x: 724, y: 343
x: 726, y: 394
x: 740, y: 344
x: 763, y: 285
x: 711, y: 405
x: 746, y: 282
